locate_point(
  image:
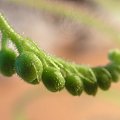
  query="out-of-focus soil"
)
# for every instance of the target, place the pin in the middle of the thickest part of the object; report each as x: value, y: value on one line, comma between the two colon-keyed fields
x: 55, y: 106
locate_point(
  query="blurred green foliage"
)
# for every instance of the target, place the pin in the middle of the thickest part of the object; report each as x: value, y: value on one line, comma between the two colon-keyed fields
x: 80, y: 16
x: 110, y: 5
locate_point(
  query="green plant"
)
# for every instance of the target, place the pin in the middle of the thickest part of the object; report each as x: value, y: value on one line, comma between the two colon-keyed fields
x: 33, y: 64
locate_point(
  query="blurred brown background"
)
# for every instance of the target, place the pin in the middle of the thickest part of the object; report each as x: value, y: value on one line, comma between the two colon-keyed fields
x: 66, y: 36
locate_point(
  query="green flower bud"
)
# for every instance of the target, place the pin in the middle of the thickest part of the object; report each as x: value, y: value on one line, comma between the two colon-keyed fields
x: 90, y: 86
x: 103, y: 78
x: 7, y: 61
x: 114, y: 56
x: 53, y: 79
x: 114, y: 70
x: 89, y: 80
x: 29, y: 67
x: 87, y: 72
x: 74, y: 85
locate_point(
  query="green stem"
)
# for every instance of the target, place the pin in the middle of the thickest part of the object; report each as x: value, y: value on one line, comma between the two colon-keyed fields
x: 4, y: 41
x: 22, y: 44
x: 15, y: 38
x: 68, y: 67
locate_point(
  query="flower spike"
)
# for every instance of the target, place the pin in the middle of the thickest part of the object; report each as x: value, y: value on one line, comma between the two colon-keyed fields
x: 32, y: 64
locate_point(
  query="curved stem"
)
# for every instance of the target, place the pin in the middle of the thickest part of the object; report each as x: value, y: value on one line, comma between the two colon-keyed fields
x: 22, y: 44
x: 5, y: 27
